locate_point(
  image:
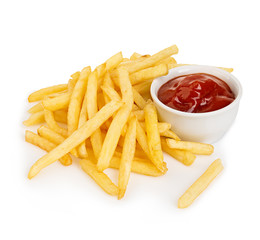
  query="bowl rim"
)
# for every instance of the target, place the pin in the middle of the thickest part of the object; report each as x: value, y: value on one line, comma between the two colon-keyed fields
x: 196, y: 115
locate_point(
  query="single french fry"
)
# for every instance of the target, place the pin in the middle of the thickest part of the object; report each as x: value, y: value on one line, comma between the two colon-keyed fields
x: 101, y: 70
x: 138, y: 99
x: 99, y: 177
x: 92, y: 108
x: 153, y: 136
x: 200, y: 184
x: 118, y: 121
x: 76, y: 100
x: 143, y: 87
x: 76, y: 138
x: 50, y: 120
x: 194, y: 147
x: 40, y: 94
x: 185, y: 157
x: 36, y: 108
x: 142, y: 139
x: 162, y: 126
x: 35, y: 118
x: 169, y: 134
x: 127, y: 157
x: 114, y: 61
x: 140, y: 167
x: 149, y: 73
x: 57, y: 103
x: 107, y: 82
x: 135, y: 56
x: 150, y: 61
x: 45, y: 145
x: 82, y: 151
x: 72, y: 82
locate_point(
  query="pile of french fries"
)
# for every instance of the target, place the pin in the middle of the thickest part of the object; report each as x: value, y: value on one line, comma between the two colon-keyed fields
x: 105, y: 117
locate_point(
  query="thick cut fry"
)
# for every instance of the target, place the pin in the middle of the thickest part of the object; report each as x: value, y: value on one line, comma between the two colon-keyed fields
x: 45, y: 145
x: 57, y: 103
x: 114, y: 61
x: 201, y: 184
x: 40, y: 94
x: 185, y: 157
x: 153, y: 136
x: 50, y: 120
x: 36, y: 108
x: 138, y: 99
x: 194, y: 147
x: 60, y: 116
x: 99, y: 177
x: 118, y: 122
x: 76, y: 100
x: 35, y: 118
x: 76, y: 138
x: 149, y: 73
x: 143, y: 87
x: 150, y: 61
x: 169, y: 134
x: 127, y: 157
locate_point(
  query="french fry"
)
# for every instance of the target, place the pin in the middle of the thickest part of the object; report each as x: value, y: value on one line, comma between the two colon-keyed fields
x: 149, y: 73
x: 107, y: 82
x: 194, y: 147
x: 92, y: 109
x: 117, y: 123
x: 139, y: 114
x: 168, y: 61
x: 76, y: 138
x: 60, y: 116
x: 76, y: 100
x: 40, y: 94
x: 135, y: 56
x: 111, y: 93
x: 127, y: 157
x: 50, y: 135
x: 153, y: 136
x: 162, y: 126
x: 36, y: 108
x: 143, y: 87
x: 138, y: 99
x: 114, y: 61
x: 57, y: 103
x: 72, y: 82
x: 169, y: 134
x: 142, y: 139
x: 150, y: 61
x: 185, y: 157
x: 99, y: 177
x: 35, y: 118
x: 50, y: 120
x: 45, y: 145
x: 200, y: 184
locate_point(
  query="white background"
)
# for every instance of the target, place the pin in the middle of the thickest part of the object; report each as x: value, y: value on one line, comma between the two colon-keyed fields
x: 43, y: 42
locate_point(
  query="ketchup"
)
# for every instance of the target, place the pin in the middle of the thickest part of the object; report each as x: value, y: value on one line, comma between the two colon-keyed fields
x: 196, y: 93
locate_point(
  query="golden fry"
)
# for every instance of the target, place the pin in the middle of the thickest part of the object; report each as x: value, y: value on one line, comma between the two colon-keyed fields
x: 138, y: 99
x: 57, y: 103
x: 35, y: 118
x: 169, y: 134
x: 36, y: 108
x: 200, y: 184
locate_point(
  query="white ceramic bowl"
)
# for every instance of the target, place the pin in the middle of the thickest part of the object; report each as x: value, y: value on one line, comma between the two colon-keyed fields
x: 202, y: 127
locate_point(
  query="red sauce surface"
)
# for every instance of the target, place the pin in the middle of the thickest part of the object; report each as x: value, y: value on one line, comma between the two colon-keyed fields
x: 196, y: 93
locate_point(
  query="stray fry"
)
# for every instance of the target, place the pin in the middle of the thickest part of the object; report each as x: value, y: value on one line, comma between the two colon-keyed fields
x: 201, y: 184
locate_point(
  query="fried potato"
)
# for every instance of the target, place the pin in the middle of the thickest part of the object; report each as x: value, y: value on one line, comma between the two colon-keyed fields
x: 200, y: 184
x: 169, y: 134
x: 50, y: 135
x: 72, y: 82
x: 185, y: 157
x: 36, y: 108
x: 45, y: 145
x: 150, y: 61
x: 142, y: 139
x: 60, y: 116
x: 149, y: 73
x: 194, y: 147
x: 153, y: 136
x: 162, y: 126
x: 76, y: 138
x: 139, y: 114
x: 40, y: 94
x: 35, y: 118
x: 114, y: 61
x: 143, y: 87
x: 111, y: 93
x: 57, y: 103
x: 127, y: 157
x: 99, y: 177
x: 76, y: 100
x: 138, y: 99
